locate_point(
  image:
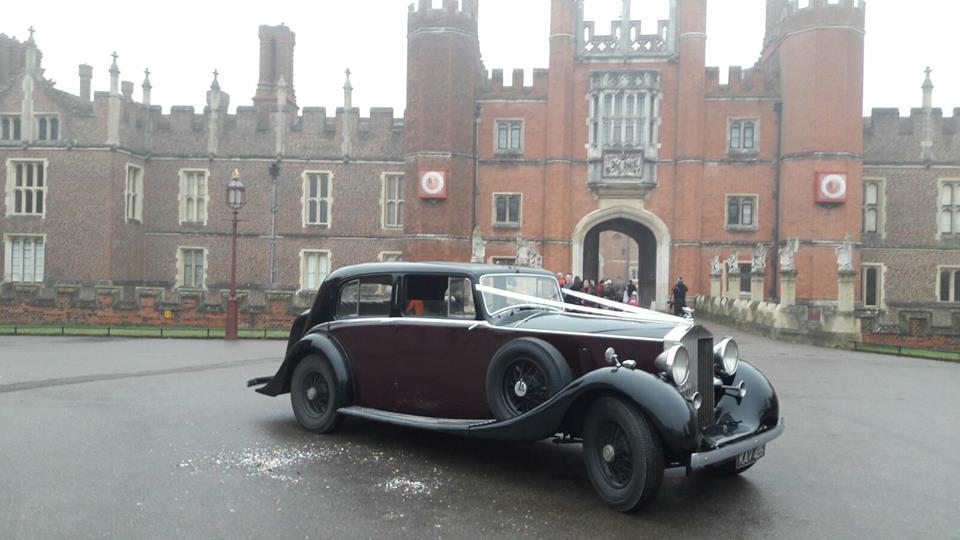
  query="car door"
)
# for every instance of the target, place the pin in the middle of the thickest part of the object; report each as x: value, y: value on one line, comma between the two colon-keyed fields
x: 365, y: 330
x: 441, y: 349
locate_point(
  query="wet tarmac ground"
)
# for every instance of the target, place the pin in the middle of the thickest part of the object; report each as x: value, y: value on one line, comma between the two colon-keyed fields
x: 126, y: 438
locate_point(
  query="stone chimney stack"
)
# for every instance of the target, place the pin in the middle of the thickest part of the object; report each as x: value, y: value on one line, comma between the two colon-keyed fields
x: 147, y: 87
x: 926, y: 145
x: 276, y: 62
x: 86, y: 75
x: 126, y: 88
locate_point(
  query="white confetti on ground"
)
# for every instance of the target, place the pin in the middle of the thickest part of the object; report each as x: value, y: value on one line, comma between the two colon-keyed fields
x: 408, y: 487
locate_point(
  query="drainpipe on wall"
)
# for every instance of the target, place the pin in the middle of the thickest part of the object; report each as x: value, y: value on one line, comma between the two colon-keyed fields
x: 775, y: 252
x: 476, y: 165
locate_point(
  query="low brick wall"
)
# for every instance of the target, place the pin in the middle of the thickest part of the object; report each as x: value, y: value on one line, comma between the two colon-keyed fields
x: 144, y: 306
x: 915, y: 326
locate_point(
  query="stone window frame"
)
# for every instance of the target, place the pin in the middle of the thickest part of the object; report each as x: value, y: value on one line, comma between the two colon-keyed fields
x: 305, y: 254
x: 133, y: 195
x: 507, y: 224
x: 11, y: 188
x: 741, y: 122
x: 953, y: 290
x: 881, y: 206
x: 881, y: 281
x: 305, y: 199
x: 47, y: 117
x: 390, y: 256
x: 503, y: 260
x: 180, y: 279
x: 8, y: 239
x: 385, y: 201
x: 602, y: 124
x: 183, y: 198
x: 726, y: 212
x: 11, y: 129
x: 953, y: 208
x: 510, y: 123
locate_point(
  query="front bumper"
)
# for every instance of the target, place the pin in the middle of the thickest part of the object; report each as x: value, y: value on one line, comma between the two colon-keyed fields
x: 715, y: 457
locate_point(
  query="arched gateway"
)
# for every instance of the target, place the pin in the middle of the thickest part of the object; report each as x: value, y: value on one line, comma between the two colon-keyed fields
x: 645, y: 228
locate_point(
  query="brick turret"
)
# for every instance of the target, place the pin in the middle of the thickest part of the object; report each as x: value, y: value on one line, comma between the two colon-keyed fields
x: 443, y: 66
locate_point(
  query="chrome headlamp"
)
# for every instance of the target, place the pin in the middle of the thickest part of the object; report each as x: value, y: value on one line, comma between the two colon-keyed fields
x: 675, y: 362
x: 726, y: 356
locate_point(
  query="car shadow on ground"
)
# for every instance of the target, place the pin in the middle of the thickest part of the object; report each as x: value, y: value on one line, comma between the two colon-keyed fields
x: 551, y: 474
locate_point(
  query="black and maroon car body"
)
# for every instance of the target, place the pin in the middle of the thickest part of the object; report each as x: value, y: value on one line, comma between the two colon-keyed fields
x: 493, y: 352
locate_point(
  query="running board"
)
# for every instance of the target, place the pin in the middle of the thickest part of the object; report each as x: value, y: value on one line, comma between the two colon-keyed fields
x: 442, y: 425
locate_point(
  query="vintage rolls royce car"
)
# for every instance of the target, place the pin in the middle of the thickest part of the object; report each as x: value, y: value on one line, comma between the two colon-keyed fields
x: 495, y: 352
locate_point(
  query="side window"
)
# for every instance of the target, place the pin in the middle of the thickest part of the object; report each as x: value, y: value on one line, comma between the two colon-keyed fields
x: 460, y: 299
x: 438, y: 296
x: 366, y: 297
x: 376, y: 294
x: 347, y: 304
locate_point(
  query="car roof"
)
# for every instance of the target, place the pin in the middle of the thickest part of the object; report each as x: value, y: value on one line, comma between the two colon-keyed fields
x: 471, y: 269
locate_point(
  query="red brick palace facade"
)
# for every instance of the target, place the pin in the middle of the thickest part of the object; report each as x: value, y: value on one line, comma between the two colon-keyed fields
x: 626, y: 130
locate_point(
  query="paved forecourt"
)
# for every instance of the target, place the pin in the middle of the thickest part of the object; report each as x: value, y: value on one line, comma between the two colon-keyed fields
x: 139, y: 438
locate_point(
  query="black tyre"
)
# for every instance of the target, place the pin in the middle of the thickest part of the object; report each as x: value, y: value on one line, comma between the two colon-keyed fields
x: 313, y: 395
x: 523, y: 374
x: 623, y: 456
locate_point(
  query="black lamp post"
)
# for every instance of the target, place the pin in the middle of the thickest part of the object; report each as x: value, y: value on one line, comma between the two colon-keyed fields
x: 235, y: 201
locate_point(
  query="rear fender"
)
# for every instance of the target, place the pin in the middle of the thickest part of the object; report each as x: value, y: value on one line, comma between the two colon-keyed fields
x: 323, y: 345
x: 669, y: 413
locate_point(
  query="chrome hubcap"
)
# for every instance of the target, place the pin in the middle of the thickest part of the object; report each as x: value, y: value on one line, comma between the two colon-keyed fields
x: 311, y: 393
x: 520, y: 389
x: 608, y: 453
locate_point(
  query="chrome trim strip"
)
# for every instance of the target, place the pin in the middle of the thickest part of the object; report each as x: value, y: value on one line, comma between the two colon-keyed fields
x: 713, y: 457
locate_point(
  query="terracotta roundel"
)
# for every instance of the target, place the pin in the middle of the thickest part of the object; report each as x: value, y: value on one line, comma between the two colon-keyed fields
x: 831, y: 187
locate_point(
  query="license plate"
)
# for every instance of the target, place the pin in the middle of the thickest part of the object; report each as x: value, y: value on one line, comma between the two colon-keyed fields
x: 748, y: 457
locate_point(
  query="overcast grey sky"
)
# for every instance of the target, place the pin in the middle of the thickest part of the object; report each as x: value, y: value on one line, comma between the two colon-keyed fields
x: 182, y: 42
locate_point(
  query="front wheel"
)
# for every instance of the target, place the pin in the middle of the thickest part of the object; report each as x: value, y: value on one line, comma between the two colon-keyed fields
x: 622, y: 455
x: 313, y: 390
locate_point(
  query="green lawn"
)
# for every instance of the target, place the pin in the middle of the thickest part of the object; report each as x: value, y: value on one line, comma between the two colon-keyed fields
x: 912, y: 352
x: 137, y: 331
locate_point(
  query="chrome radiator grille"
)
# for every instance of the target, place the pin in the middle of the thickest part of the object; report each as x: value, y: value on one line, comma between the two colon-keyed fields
x: 704, y: 374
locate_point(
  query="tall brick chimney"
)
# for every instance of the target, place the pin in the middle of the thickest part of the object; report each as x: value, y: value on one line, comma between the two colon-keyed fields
x: 276, y: 61
x: 86, y: 75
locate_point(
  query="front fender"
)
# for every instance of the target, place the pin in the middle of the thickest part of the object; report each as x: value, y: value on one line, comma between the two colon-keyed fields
x: 669, y: 413
x: 738, y: 417
x: 315, y: 343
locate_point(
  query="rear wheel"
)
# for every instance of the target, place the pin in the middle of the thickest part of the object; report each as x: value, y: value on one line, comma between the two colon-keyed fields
x: 313, y: 395
x: 622, y: 455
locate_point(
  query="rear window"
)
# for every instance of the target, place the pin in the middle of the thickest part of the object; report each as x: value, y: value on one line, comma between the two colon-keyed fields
x: 366, y: 297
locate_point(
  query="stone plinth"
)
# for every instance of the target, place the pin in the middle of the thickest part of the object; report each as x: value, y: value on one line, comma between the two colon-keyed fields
x: 733, y: 285
x: 714, y: 286
x: 788, y: 288
x: 756, y: 287
x: 846, y: 282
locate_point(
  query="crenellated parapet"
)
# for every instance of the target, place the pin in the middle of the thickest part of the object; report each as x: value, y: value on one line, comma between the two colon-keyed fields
x: 460, y: 15
x: 889, y: 136
x: 751, y: 82
x: 492, y: 85
x: 785, y: 17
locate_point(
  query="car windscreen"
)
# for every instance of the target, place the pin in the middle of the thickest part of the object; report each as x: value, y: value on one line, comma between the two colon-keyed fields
x: 535, y: 286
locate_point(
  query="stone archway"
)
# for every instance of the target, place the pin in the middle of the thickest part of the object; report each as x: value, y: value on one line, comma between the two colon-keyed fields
x: 644, y: 227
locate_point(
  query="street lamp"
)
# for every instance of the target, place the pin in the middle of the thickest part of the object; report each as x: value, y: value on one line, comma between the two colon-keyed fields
x: 235, y: 201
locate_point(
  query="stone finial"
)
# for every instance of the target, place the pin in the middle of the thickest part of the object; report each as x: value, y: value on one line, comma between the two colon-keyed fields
x: 927, y: 83
x: 845, y: 255
x: 788, y: 254
x: 758, y: 264
x: 114, y: 69
x: 347, y: 85
x: 732, y: 265
x: 215, y: 85
x: 479, y: 246
x: 146, y: 80
x: 30, y: 39
x: 715, y: 269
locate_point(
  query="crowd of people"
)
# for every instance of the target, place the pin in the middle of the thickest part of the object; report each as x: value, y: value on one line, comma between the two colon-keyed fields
x: 618, y: 291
